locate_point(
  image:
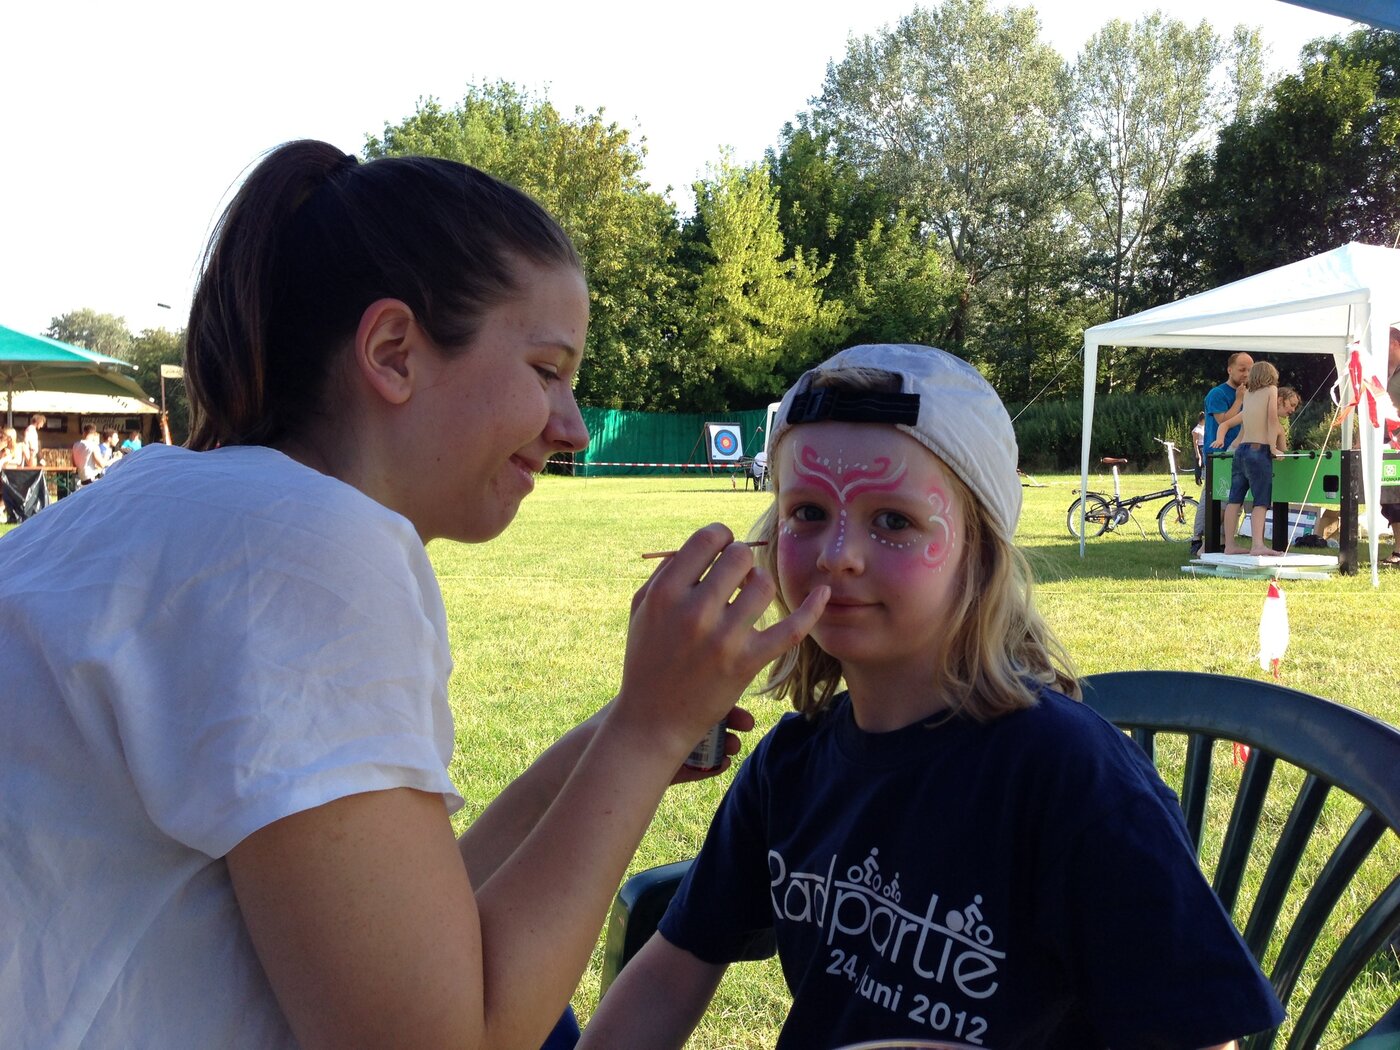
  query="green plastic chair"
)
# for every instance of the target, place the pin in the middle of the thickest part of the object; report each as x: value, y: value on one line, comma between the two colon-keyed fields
x: 1338, y: 750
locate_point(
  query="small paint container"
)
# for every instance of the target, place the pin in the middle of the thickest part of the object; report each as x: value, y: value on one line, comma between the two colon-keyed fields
x: 709, y: 753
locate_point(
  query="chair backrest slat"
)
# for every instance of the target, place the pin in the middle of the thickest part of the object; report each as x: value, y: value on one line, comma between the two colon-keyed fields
x: 1358, y: 948
x: 1336, y: 875
x: 1244, y: 822
x: 1338, y: 749
x: 1195, y: 785
x: 1283, y: 864
x: 1147, y: 740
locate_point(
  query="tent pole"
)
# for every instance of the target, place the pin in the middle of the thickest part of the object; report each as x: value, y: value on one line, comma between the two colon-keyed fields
x: 1091, y: 374
x: 1373, y: 363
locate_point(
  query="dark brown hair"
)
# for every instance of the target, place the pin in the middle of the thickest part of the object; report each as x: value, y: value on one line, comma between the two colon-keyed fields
x: 310, y: 240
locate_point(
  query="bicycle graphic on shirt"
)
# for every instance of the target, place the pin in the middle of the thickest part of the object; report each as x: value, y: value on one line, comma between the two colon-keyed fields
x: 1175, y: 521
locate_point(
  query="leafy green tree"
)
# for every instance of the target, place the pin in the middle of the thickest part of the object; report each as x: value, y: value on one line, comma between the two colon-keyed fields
x: 105, y: 333
x: 760, y: 316
x: 1034, y: 315
x: 825, y: 205
x: 902, y: 289
x: 1316, y: 165
x: 1244, y: 61
x: 958, y: 111
x: 587, y: 172
x: 1142, y: 100
x: 151, y: 349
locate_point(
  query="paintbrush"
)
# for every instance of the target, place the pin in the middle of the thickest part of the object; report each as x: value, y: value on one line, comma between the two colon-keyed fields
x: 667, y: 554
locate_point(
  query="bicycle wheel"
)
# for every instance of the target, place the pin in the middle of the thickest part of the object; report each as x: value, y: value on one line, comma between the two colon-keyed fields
x: 1176, y: 521
x: 1096, y: 515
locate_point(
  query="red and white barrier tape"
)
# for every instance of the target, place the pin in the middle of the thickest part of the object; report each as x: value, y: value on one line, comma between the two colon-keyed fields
x: 681, y: 466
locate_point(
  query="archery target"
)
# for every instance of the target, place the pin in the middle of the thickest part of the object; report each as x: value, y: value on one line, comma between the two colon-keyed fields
x: 726, y: 445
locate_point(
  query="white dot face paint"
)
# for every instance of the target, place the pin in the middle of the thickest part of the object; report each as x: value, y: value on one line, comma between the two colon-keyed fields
x: 868, y: 511
x: 889, y: 543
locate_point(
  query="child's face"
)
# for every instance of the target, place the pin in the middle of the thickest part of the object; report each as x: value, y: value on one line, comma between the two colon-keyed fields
x: 1287, y: 406
x: 869, y: 511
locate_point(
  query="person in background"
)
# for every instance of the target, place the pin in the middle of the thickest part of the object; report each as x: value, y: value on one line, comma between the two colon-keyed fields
x: 953, y: 839
x: 1288, y: 402
x: 132, y: 443
x: 1252, y: 468
x: 1198, y: 440
x: 31, y: 439
x: 108, y: 445
x: 1391, y: 511
x: 227, y: 732
x: 1222, y: 405
x: 12, y: 454
x: 88, y: 460
x: 12, y: 451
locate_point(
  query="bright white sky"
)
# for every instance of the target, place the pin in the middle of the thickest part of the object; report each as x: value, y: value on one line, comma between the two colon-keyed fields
x: 128, y: 122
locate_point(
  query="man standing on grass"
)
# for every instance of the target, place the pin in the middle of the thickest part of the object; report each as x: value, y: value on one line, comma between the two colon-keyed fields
x: 1223, y: 408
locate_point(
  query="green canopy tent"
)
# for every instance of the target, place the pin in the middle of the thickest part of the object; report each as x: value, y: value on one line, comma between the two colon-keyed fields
x: 36, y: 362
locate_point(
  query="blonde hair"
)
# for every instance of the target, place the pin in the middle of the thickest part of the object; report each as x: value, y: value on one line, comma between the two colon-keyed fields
x: 998, y: 650
x: 1262, y: 374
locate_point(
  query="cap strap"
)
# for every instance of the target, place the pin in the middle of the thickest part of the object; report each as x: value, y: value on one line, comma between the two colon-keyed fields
x: 826, y: 404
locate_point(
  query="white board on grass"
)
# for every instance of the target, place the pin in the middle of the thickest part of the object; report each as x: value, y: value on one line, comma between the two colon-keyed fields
x: 1268, y: 561
x: 1278, y: 572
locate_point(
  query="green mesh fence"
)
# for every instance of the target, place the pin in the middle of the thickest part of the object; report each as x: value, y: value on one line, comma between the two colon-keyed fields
x: 657, y: 443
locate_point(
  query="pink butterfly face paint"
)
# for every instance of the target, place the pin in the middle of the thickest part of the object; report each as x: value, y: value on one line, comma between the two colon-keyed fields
x: 847, y: 481
x: 873, y: 514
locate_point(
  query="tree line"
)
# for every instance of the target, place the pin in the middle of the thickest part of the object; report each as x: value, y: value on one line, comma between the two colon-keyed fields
x: 954, y: 182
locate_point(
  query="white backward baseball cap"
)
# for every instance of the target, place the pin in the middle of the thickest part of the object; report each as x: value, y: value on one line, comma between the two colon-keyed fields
x: 943, y: 403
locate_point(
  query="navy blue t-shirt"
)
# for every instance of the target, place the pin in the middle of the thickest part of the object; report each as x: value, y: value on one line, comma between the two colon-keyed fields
x: 1022, y: 883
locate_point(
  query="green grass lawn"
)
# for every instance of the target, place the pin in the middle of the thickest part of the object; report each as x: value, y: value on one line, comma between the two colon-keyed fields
x: 538, y: 625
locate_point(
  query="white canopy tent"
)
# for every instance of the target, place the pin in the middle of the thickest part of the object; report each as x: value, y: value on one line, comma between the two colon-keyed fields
x: 1332, y: 303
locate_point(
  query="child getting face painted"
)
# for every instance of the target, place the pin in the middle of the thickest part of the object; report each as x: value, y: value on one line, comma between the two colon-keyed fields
x: 950, y: 847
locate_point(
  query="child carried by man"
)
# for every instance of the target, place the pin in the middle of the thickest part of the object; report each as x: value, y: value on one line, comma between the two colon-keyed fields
x: 1258, y: 445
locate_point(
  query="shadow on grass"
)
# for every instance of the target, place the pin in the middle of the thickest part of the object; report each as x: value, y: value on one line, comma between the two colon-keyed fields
x: 1109, y: 558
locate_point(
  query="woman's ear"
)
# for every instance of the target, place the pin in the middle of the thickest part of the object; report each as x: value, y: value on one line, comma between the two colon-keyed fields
x: 387, y: 345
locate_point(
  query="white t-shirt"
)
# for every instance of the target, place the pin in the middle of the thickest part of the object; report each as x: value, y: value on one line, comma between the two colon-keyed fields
x: 81, y: 453
x: 251, y: 639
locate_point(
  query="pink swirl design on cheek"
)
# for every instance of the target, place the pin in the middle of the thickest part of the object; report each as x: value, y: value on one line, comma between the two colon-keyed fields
x: 940, y: 548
